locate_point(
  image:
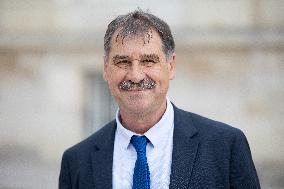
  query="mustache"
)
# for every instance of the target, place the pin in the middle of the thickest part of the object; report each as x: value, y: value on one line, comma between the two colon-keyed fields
x: 143, y: 84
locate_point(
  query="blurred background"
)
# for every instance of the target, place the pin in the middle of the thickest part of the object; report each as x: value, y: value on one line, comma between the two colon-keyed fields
x: 230, y: 67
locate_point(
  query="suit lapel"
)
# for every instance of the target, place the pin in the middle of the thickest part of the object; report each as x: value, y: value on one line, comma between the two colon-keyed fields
x: 102, y: 157
x: 185, y: 145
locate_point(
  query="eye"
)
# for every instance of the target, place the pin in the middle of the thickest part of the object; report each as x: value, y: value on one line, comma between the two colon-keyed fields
x: 148, y: 62
x: 123, y: 64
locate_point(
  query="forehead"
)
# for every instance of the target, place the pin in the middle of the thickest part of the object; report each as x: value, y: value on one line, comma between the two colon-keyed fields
x: 142, y: 43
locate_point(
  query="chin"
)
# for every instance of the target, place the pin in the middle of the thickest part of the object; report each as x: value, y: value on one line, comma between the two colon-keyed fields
x: 138, y: 106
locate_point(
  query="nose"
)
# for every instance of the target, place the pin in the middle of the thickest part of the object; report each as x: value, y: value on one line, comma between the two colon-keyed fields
x: 135, y: 73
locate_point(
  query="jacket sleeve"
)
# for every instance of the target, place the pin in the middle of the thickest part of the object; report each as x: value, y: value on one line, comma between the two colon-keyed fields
x: 242, y: 170
x: 64, y: 177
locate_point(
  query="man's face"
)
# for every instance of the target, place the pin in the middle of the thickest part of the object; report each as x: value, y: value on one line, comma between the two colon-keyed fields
x: 138, y: 73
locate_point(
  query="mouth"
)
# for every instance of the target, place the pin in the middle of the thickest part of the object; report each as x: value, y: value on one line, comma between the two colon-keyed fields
x: 145, y: 84
x: 137, y: 90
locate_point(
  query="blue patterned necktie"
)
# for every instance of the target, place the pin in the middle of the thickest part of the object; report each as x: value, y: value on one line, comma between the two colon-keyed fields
x: 141, y: 176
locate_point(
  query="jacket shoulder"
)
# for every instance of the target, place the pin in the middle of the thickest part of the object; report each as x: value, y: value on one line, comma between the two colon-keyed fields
x: 207, y: 127
x: 85, y: 146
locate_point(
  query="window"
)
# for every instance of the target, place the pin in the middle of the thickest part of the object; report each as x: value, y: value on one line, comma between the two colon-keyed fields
x: 99, y: 105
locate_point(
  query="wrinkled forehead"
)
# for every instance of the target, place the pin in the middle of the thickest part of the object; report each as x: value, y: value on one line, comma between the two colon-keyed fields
x: 121, y: 35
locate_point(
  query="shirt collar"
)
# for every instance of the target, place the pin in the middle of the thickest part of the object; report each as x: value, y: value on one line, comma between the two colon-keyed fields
x: 154, y: 134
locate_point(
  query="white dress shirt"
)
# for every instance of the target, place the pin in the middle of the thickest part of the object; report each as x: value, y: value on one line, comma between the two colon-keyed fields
x: 158, y: 151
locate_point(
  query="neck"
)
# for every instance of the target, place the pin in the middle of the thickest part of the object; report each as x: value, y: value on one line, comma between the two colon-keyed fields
x: 140, y: 123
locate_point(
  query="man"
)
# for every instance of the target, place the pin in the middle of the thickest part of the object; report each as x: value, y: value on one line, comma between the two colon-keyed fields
x: 152, y: 143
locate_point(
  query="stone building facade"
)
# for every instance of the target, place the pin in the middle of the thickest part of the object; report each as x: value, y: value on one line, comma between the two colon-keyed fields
x: 230, y: 67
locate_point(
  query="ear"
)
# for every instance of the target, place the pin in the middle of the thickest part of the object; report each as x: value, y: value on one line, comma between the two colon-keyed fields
x: 105, y: 68
x: 172, y: 66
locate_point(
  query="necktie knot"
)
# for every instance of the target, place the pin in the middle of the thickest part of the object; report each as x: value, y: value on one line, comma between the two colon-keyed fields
x: 139, y: 143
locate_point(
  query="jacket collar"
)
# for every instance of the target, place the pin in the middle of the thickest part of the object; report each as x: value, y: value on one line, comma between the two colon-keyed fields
x: 102, y: 156
x: 185, y: 145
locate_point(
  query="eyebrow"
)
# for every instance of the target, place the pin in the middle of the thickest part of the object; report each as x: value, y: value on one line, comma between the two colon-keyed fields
x: 154, y: 57
x: 117, y: 57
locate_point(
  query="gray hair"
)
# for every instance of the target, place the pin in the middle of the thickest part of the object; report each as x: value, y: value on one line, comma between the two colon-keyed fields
x: 139, y: 23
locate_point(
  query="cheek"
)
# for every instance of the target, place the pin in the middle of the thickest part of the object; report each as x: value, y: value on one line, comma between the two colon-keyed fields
x: 113, y: 83
x: 114, y: 76
x: 160, y: 74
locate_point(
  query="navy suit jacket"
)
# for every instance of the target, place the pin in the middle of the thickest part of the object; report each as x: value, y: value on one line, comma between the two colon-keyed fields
x: 206, y: 155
